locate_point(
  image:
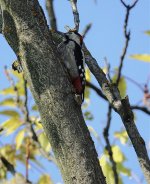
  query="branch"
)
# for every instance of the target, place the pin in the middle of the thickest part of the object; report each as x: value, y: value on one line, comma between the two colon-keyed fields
x: 122, y: 107
x: 143, y: 109
x: 108, y: 146
x: 51, y: 13
x: 12, y: 83
x: 127, y: 37
x: 86, y: 30
x: 1, y: 20
x: 100, y: 94
x: 97, y: 90
x: 75, y: 14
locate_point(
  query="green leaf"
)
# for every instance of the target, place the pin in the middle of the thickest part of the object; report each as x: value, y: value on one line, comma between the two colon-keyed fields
x: 122, y: 85
x: 35, y: 108
x: 19, y: 138
x: 122, y: 136
x: 123, y: 170
x: 141, y: 57
x: 11, y: 125
x: 10, y: 113
x: 45, y: 179
x: 88, y: 115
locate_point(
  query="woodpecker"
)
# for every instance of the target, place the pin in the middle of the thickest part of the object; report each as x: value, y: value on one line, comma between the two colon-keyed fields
x: 73, y: 59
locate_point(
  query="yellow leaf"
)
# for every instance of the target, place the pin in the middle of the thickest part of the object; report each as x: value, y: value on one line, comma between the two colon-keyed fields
x: 44, y: 142
x: 91, y: 129
x: 117, y: 154
x: 9, y: 153
x: 88, y: 74
x: 45, y: 179
x: 10, y: 102
x: 141, y: 57
x: 122, y: 85
x: 10, y: 113
x: 11, y: 125
x: 122, y: 136
x: 19, y: 138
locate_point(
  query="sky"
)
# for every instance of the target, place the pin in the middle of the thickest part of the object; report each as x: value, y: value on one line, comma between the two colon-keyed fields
x: 105, y: 39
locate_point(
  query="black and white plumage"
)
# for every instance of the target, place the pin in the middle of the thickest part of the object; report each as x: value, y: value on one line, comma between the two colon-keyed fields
x: 73, y: 59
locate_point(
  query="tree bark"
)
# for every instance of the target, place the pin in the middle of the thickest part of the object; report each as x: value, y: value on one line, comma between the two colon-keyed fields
x: 25, y: 28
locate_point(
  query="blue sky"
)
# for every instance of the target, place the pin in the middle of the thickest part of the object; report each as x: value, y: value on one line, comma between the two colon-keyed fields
x: 105, y: 39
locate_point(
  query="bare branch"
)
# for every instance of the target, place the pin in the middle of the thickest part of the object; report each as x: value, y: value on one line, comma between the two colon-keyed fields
x: 1, y: 20
x: 99, y: 93
x: 108, y: 146
x: 144, y: 109
x: 127, y: 37
x: 10, y: 79
x: 122, y: 107
x: 96, y: 89
x: 86, y: 30
x: 75, y: 14
x: 51, y: 13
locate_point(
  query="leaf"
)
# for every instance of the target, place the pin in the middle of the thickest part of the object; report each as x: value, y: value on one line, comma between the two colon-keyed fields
x: 35, y: 108
x: 122, y: 136
x: 10, y: 102
x: 91, y: 129
x: 44, y: 142
x: 123, y: 170
x: 19, y: 138
x: 10, y: 113
x: 10, y: 90
x: 8, y: 152
x: 118, y: 155
x: 107, y: 170
x: 45, y: 179
x: 11, y: 125
x: 141, y: 57
x: 122, y: 85
x: 88, y: 74
x: 147, y: 32
x: 88, y: 115
x: 88, y: 78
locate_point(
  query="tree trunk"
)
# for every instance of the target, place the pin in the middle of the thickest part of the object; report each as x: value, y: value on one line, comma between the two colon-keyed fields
x: 24, y: 27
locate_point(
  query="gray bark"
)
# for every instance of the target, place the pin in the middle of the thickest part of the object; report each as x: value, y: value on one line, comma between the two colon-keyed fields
x: 26, y: 31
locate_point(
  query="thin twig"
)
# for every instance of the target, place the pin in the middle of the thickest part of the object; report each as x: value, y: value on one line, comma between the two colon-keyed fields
x: 27, y: 158
x: 96, y: 89
x: 75, y: 14
x: 51, y: 13
x: 108, y: 146
x: 127, y: 37
x: 12, y: 82
x: 86, y: 30
x: 1, y: 20
x: 143, y: 109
